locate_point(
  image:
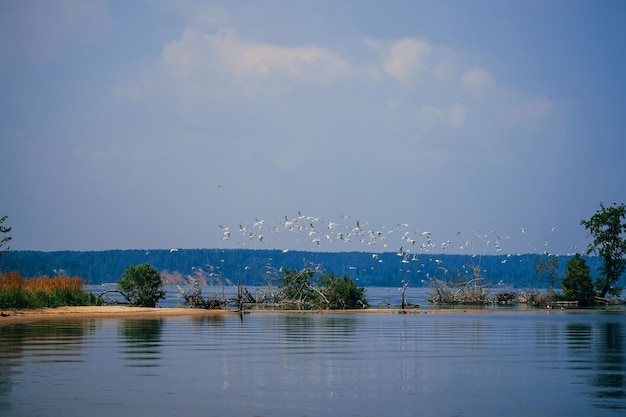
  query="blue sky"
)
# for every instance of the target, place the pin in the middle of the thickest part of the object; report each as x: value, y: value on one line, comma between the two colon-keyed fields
x: 439, y: 126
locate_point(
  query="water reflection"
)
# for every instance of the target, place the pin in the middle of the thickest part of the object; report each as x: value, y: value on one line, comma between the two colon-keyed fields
x: 318, y: 365
x: 142, y: 337
x: 216, y: 320
x: 610, y: 377
x: 597, y: 352
x: 41, y: 343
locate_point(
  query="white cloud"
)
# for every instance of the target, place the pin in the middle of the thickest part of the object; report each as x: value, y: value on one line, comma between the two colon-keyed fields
x: 405, y: 59
x: 220, y: 66
x: 478, y: 82
x: 431, y: 117
x: 200, y: 69
x: 225, y: 55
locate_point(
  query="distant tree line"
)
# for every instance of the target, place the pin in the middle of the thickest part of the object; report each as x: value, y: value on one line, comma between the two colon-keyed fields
x: 253, y: 267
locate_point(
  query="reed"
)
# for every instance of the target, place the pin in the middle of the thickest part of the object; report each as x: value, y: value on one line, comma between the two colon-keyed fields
x: 42, y: 292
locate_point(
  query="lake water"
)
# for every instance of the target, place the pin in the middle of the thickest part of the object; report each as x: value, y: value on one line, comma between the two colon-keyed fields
x: 428, y: 364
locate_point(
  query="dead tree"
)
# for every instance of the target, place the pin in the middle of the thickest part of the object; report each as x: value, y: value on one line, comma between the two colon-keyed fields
x: 465, y: 290
x: 110, y: 300
x: 194, y: 298
x: 404, y: 304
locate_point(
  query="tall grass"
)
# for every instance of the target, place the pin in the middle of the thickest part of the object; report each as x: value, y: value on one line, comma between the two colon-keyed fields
x: 42, y: 292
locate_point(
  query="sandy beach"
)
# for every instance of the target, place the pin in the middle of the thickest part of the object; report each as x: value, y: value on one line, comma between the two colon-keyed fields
x: 79, y: 312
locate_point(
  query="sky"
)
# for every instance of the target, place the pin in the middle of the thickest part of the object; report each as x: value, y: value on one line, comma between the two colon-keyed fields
x: 437, y: 126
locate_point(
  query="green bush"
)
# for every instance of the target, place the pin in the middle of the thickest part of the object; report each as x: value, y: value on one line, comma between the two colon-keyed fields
x: 142, y: 285
x: 309, y: 289
x: 342, y: 292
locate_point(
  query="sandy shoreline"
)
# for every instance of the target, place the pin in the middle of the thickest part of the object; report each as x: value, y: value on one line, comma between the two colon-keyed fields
x: 78, y: 312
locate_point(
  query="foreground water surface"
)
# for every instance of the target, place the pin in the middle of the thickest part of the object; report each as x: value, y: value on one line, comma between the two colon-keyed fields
x: 275, y: 364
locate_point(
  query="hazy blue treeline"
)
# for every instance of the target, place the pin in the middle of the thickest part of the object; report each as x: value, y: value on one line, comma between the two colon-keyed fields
x: 254, y: 267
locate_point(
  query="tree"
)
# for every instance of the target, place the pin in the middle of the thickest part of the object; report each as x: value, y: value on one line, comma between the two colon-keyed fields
x: 342, y: 292
x: 142, y: 286
x: 4, y: 238
x: 608, y: 230
x: 546, y: 270
x: 296, y: 286
x: 310, y: 288
x: 577, y: 284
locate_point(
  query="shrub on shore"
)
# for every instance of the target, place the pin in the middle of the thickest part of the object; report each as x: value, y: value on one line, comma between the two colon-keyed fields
x: 42, y: 292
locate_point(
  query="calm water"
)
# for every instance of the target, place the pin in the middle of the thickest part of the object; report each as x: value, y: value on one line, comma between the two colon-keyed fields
x: 441, y: 364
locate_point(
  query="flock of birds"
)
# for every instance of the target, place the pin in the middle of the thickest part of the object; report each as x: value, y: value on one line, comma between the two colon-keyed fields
x: 408, y: 242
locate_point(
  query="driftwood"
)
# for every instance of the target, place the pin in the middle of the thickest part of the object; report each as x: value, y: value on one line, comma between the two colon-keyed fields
x: 504, y: 297
x: 606, y: 301
x: 405, y: 304
x: 194, y: 298
x: 112, y: 301
x: 461, y: 292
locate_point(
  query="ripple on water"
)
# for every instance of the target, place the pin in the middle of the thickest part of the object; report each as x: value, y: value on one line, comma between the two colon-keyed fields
x: 317, y: 364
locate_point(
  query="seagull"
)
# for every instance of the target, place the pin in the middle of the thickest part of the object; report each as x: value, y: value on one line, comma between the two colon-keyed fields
x: 226, y: 232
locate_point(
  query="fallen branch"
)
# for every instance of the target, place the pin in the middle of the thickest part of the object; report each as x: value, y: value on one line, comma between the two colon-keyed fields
x: 112, y: 301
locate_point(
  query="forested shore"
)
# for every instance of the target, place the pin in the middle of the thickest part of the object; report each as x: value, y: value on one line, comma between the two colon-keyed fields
x: 254, y: 267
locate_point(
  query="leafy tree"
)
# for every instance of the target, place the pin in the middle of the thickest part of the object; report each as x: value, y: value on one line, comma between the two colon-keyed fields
x: 608, y: 229
x: 577, y: 284
x: 308, y: 287
x: 142, y: 286
x: 546, y: 270
x: 342, y: 292
x: 4, y: 237
x: 296, y: 286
